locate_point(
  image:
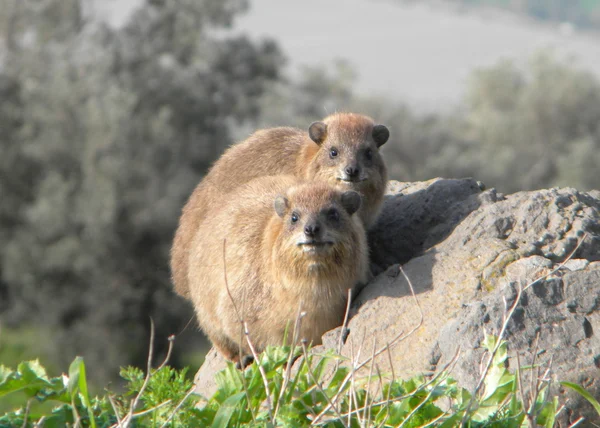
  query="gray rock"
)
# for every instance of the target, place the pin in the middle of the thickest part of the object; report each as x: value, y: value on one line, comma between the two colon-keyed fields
x: 430, y: 210
x: 467, y: 252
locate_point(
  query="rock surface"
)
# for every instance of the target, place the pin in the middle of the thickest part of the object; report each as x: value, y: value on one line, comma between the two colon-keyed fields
x: 467, y: 253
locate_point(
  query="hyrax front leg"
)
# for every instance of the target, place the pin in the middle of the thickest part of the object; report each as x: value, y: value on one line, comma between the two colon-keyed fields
x: 231, y: 351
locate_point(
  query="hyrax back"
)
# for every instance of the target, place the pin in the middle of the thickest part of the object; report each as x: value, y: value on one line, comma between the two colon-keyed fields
x: 283, y: 245
x: 342, y: 150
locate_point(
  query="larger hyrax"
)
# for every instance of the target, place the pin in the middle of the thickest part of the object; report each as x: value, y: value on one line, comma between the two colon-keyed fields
x: 343, y: 150
x: 276, y: 246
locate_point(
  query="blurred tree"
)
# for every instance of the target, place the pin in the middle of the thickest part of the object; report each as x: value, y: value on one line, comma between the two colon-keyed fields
x: 533, y: 126
x: 313, y: 93
x: 104, y: 134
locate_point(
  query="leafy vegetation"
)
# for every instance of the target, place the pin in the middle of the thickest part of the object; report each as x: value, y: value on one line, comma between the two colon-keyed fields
x: 319, y: 392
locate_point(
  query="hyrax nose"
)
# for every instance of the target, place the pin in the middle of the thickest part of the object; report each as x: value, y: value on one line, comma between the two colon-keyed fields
x: 352, y: 170
x: 312, y: 229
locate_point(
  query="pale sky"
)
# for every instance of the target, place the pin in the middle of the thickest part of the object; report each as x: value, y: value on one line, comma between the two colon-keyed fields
x: 418, y: 54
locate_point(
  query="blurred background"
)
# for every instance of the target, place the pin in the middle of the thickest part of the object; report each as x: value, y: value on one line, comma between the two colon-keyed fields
x: 112, y: 111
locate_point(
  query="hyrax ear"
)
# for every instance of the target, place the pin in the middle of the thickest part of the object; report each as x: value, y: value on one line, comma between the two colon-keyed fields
x: 281, y: 205
x: 317, y: 132
x: 351, y: 201
x: 380, y: 134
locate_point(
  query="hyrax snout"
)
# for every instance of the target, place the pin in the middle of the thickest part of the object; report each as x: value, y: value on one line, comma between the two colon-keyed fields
x: 276, y: 246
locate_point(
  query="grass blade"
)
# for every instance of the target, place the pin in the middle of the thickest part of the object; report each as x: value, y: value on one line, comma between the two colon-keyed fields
x: 581, y: 391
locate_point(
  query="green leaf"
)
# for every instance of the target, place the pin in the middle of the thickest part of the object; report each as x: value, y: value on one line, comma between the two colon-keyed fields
x: 32, y: 370
x: 73, y: 383
x: 5, y: 373
x: 548, y: 414
x: 30, y: 377
x: 337, y: 379
x: 489, y: 341
x: 585, y: 394
x: 228, y: 382
x: 78, y: 382
x: 226, y: 410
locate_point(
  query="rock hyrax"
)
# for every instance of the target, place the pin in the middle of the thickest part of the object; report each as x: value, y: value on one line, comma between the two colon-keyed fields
x: 343, y: 150
x: 288, y: 245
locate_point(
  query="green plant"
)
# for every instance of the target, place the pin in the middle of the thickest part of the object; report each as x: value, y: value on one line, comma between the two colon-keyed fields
x: 69, y: 393
x: 316, y: 390
x: 323, y: 393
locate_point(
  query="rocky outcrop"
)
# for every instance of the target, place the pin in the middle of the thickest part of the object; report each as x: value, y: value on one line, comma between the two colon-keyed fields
x: 468, y: 253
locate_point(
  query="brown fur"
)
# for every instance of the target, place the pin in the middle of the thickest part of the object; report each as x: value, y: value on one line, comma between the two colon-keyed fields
x: 286, y: 151
x: 269, y: 275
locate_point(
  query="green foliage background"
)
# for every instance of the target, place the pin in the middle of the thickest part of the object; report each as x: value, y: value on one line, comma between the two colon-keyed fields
x: 104, y: 133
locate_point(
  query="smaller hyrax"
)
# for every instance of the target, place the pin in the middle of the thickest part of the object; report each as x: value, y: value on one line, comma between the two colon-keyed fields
x: 283, y: 245
x: 342, y: 150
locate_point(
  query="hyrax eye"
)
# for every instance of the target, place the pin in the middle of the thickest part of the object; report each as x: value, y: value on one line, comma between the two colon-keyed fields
x: 333, y: 215
x: 295, y: 217
x: 369, y: 154
x: 333, y: 152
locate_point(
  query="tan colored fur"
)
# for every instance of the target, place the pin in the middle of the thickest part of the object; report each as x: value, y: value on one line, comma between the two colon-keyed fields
x: 284, y: 151
x: 268, y: 273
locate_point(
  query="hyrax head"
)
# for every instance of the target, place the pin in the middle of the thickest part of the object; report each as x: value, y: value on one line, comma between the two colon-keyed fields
x: 348, y: 153
x: 317, y: 219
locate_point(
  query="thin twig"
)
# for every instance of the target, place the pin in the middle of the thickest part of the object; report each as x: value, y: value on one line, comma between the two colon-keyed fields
x: 417, y: 408
x: 262, y: 373
x: 235, y: 308
x: 345, y: 323
x: 399, y: 338
x: 26, y: 414
x: 130, y: 416
x: 368, y: 416
x: 533, y: 388
x: 381, y: 387
x: 577, y: 422
x: 442, y: 375
x: 288, y: 368
x: 389, y: 354
x: 152, y: 409
x: 136, y: 400
x: 186, y: 326
x: 171, y: 340
x: 317, y: 385
x: 353, y: 382
x: 524, y: 399
x: 112, y: 403
x: 176, y: 409
x: 539, y: 385
x: 436, y: 420
x: 412, y: 290
x: 241, y: 321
